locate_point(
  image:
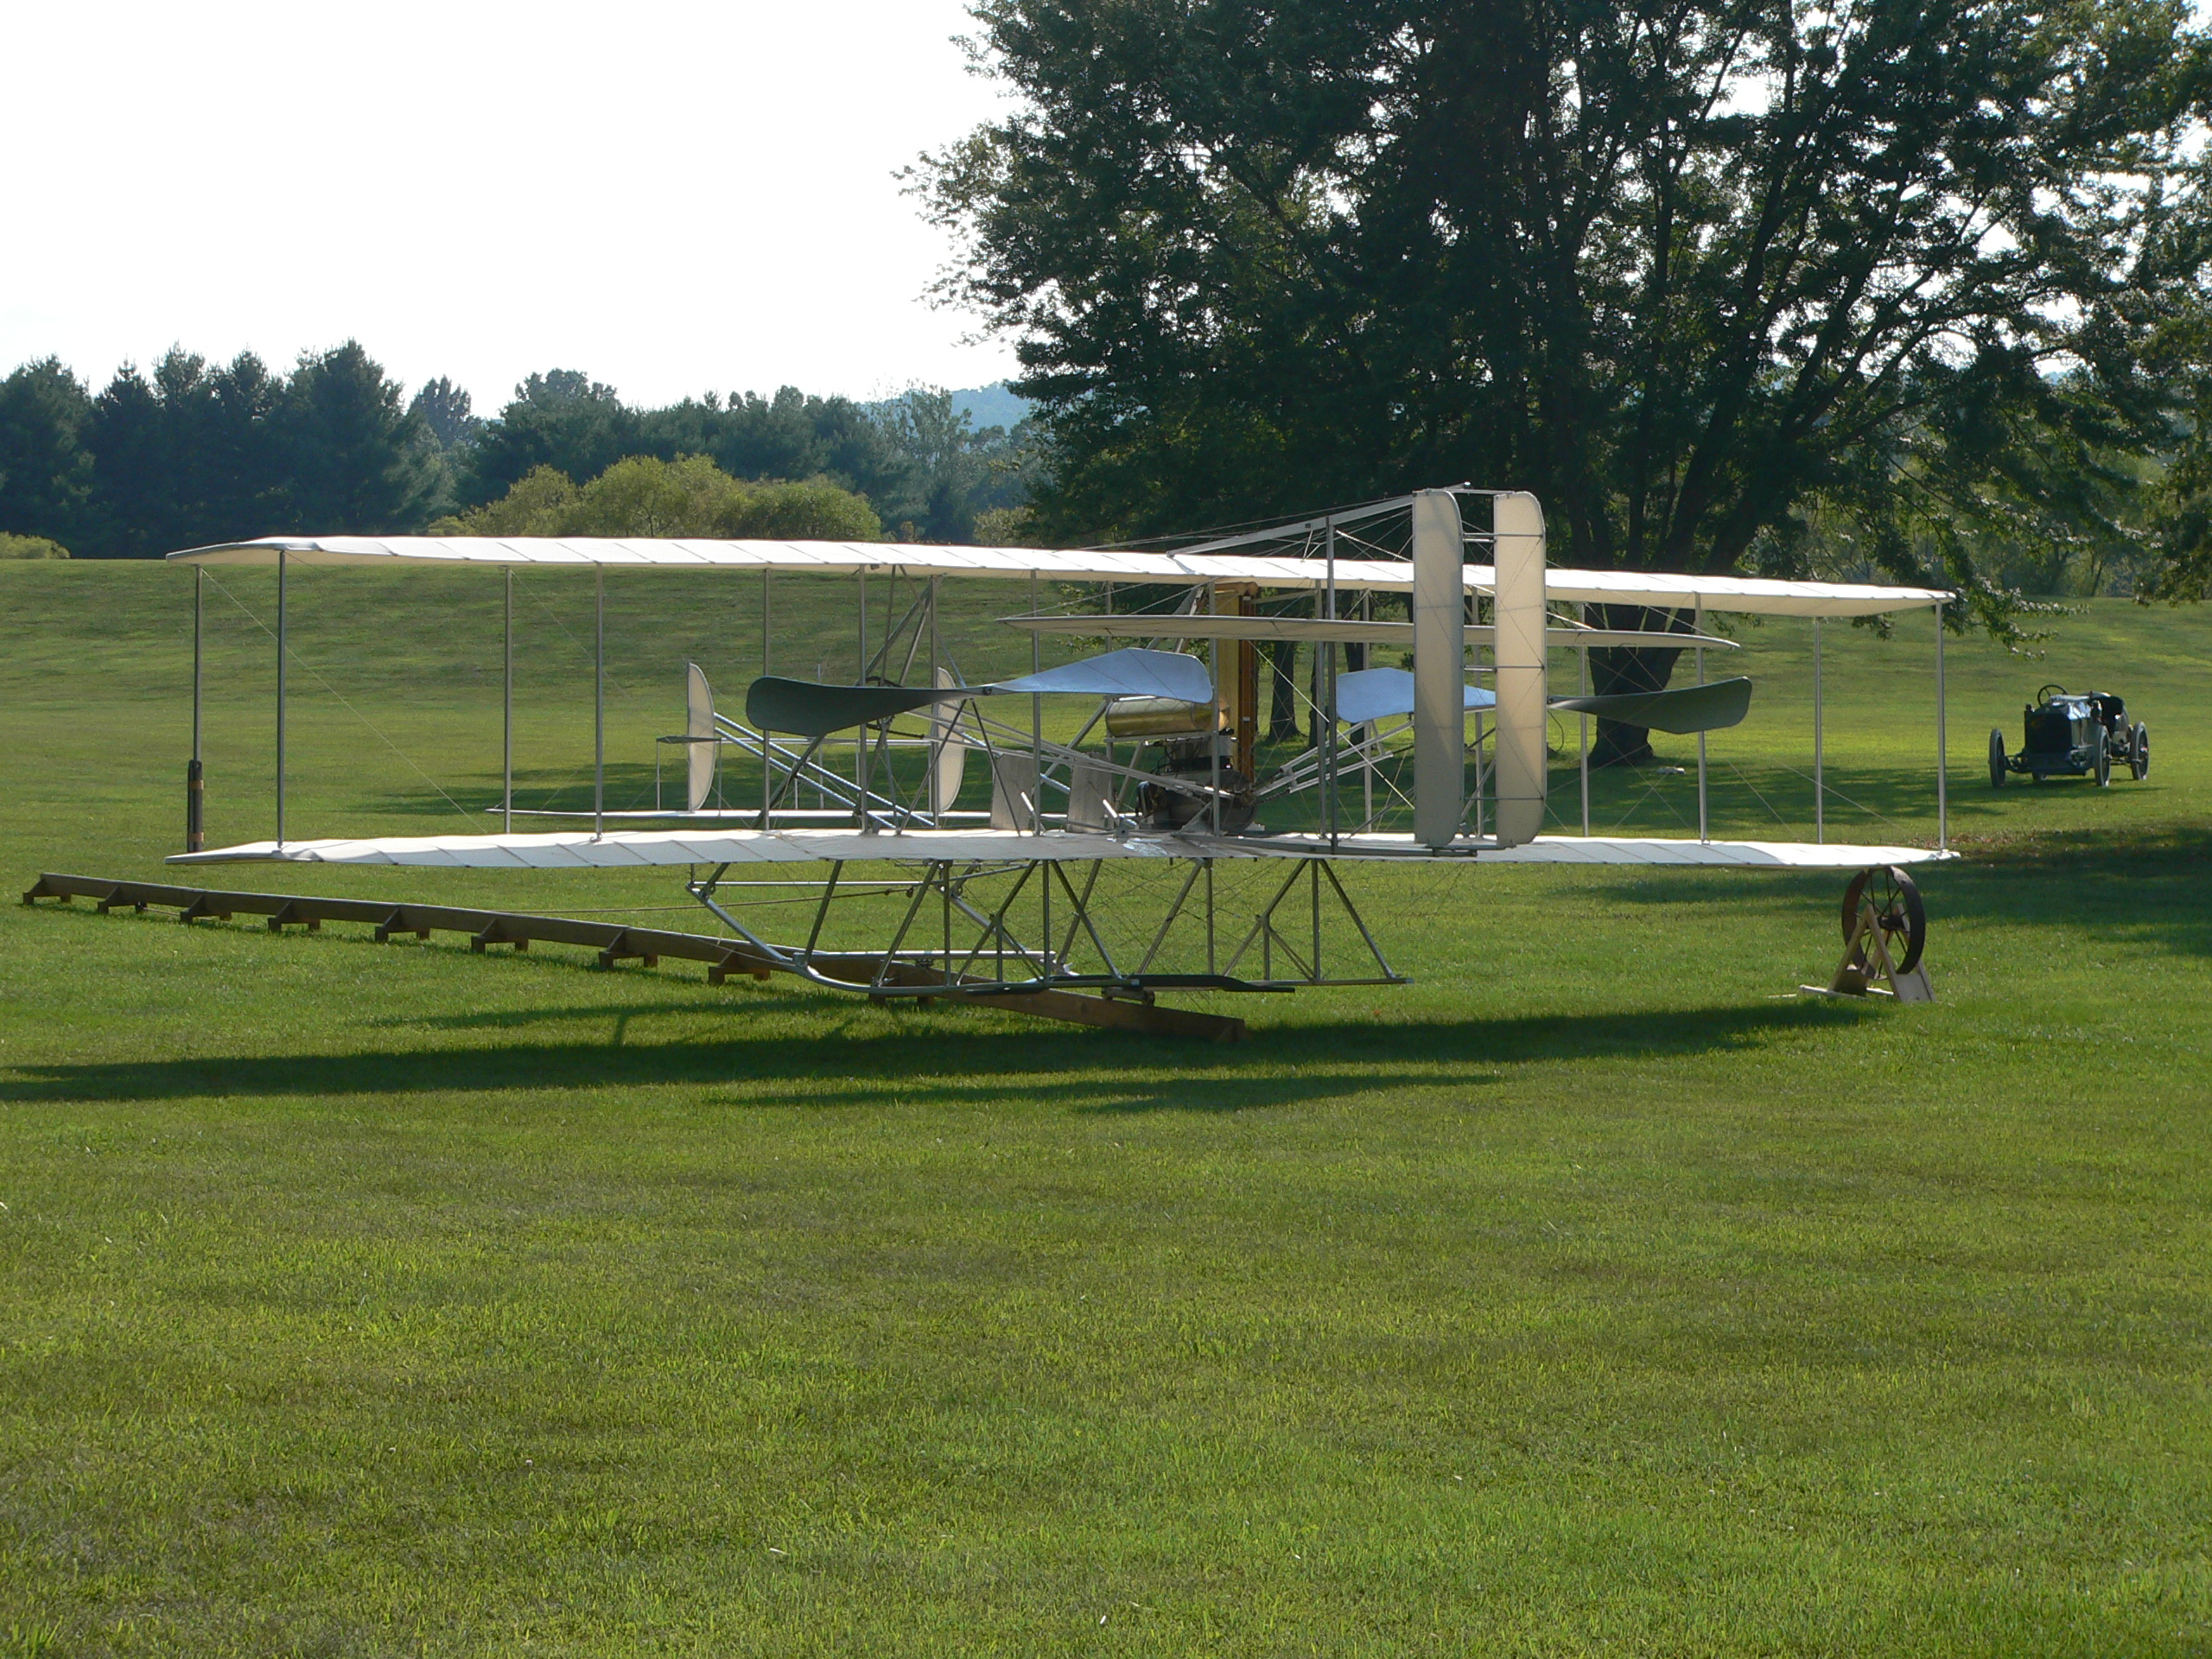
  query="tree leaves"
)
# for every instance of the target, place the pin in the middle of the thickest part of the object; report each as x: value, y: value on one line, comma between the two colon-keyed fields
x: 1694, y: 273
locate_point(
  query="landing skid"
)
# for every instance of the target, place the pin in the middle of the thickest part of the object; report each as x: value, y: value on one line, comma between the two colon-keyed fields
x: 1061, y: 965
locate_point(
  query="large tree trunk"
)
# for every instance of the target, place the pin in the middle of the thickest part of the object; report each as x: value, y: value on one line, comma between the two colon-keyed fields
x: 1616, y: 670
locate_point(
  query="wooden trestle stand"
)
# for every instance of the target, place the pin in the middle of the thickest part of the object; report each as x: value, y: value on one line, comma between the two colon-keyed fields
x: 1866, y: 959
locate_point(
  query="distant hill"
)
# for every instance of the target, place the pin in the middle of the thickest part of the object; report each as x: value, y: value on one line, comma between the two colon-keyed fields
x: 982, y: 405
x: 990, y: 406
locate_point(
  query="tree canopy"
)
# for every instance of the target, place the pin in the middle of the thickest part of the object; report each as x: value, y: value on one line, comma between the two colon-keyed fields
x: 926, y: 470
x: 643, y: 495
x: 1728, y: 285
x: 196, y: 452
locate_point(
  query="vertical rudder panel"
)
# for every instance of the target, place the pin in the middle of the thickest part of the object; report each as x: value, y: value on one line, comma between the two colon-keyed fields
x: 1522, y: 707
x: 1439, y: 668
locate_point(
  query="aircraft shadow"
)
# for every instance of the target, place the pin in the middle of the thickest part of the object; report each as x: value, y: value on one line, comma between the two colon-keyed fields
x: 932, y: 1061
x: 2142, y: 886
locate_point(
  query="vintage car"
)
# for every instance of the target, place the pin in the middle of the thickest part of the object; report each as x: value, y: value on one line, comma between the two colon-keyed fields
x: 2073, y: 735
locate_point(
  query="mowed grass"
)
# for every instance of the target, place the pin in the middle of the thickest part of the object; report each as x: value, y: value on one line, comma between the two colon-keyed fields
x: 1590, y: 1294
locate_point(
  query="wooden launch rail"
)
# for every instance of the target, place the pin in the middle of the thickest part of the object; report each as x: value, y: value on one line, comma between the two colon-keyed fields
x: 616, y: 942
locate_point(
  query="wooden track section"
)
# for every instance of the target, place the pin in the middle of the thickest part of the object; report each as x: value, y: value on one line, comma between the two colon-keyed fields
x: 615, y: 943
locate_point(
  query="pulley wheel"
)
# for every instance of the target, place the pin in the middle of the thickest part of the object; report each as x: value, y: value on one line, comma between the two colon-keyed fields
x: 1898, y: 913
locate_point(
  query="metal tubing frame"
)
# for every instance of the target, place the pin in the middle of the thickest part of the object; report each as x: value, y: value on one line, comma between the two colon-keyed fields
x: 1168, y: 920
x: 1328, y: 678
x: 768, y: 758
x: 507, y: 706
x: 1265, y: 932
x: 1942, y: 751
x: 1213, y: 731
x: 196, y: 775
x: 1582, y: 612
x: 1704, y: 823
x: 822, y: 914
x: 599, y: 703
x: 1480, y: 734
x: 198, y: 575
x: 906, y: 923
x: 1044, y: 967
x: 1820, y: 784
x: 1367, y: 763
x: 283, y: 647
x: 859, y: 734
x: 1036, y: 724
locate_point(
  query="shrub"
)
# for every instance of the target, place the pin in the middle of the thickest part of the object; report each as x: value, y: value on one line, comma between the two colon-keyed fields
x: 643, y: 496
x: 30, y: 547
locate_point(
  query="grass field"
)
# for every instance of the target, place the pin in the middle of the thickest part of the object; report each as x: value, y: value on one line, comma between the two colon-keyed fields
x: 1590, y: 1294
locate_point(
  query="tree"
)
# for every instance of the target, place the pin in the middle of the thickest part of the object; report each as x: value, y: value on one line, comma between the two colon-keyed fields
x: 954, y: 473
x: 239, y: 450
x: 358, y: 461
x: 564, y: 420
x: 46, y: 471
x: 133, y: 507
x: 1687, y: 271
x: 644, y: 495
x: 444, y: 410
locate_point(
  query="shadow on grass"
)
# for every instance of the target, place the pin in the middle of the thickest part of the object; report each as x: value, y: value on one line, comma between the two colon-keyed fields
x: 2151, y: 886
x: 932, y: 1061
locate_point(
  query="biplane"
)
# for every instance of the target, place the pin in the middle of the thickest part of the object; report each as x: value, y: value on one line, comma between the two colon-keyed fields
x: 1105, y: 826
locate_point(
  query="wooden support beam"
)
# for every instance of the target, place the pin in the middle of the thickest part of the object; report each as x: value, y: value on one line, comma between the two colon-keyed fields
x: 619, y: 949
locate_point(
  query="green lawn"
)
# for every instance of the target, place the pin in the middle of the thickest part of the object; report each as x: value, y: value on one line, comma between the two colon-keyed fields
x: 1590, y: 1294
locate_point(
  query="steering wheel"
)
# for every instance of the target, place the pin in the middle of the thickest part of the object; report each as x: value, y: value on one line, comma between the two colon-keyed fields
x: 2042, y: 693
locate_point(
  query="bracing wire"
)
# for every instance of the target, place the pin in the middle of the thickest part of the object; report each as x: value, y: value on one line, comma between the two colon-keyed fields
x: 320, y: 680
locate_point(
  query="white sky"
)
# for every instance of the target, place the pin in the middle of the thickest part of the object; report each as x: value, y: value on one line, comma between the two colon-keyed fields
x: 672, y: 195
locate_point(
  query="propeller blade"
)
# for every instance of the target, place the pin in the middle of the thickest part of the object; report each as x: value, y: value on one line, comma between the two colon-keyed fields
x: 1682, y: 710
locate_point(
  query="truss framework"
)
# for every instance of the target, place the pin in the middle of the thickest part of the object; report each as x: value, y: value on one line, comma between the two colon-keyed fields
x: 1019, y: 927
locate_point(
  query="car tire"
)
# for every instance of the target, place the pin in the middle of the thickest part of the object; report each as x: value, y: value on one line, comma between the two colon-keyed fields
x: 2138, y: 758
x: 2100, y: 762
x: 1996, y: 759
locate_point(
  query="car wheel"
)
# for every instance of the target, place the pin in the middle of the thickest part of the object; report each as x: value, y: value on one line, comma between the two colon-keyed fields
x: 2138, y: 760
x: 2100, y: 760
x: 1996, y: 760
